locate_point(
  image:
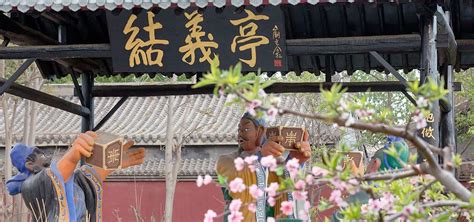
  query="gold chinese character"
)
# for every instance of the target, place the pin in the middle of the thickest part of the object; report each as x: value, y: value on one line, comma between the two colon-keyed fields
x: 290, y: 138
x: 113, y: 156
x: 248, y: 38
x: 150, y: 56
x: 427, y: 133
x: 276, y: 32
x: 193, y: 40
x: 430, y: 118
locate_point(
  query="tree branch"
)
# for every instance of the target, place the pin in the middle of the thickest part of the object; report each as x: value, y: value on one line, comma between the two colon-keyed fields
x: 446, y: 178
x: 391, y: 175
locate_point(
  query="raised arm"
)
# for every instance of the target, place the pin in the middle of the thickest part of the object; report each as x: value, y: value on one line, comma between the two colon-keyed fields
x: 82, y: 146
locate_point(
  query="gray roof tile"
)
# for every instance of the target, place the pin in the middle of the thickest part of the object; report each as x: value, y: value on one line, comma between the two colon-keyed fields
x: 205, y: 118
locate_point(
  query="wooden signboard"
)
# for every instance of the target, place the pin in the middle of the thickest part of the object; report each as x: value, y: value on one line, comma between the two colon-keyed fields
x: 166, y: 41
x: 291, y: 135
x: 107, y: 153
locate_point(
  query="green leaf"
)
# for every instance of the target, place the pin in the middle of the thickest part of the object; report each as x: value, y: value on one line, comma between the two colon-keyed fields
x: 323, y: 205
x: 279, y: 171
x: 457, y: 160
x: 221, y: 180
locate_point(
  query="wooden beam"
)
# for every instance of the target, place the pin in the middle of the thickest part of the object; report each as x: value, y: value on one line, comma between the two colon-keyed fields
x: 317, y: 46
x: 299, y: 87
x: 20, y: 34
x: 46, y: 99
x: 354, y: 45
x: 445, y: 28
x: 465, y: 45
x: 52, y: 52
x: 15, y: 75
x: 394, y: 72
x: 110, y: 113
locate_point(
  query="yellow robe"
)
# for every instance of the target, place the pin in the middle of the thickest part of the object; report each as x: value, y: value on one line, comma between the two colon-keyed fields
x: 225, y: 167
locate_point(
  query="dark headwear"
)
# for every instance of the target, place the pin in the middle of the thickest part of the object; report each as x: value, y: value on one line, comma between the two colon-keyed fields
x: 19, y: 154
x: 257, y: 122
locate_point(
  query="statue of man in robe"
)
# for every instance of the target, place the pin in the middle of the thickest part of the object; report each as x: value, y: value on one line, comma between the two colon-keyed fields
x: 252, y: 141
x: 59, y: 191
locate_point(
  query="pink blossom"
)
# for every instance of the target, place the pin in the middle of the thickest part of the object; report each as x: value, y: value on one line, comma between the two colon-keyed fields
x: 336, y: 197
x: 422, y: 102
x: 255, y: 191
x: 307, y: 205
x: 339, y: 184
x: 335, y: 194
x: 343, y: 105
x: 362, y: 113
x: 250, y: 160
x: 300, y: 185
x: 270, y: 162
x: 230, y: 98
x: 387, y: 200
x: 364, y: 208
x: 419, y: 119
x: 252, y: 105
x: 271, y: 190
x: 252, y: 207
x: 303, y: 215
x: 271, y: 113
x: 275, y: 101
x: 409, y: 210
x: 270, y: 219
x: 237, y: 185
x: 271, y: 201
x: 292, y: 166
x: 239, y: 163
x: 221, y: 92
x: 199, y: 181
x: 309, y: 179
x: 413, y: 181
x: 300, y: 195
x: 353, y: 182
x: 318, y: 171
x: 235, y: 205
x: 349, y: 121
x: 235, y: 217
x: 207, y: 179
x: 374, y: 205
x: 262, y: 93
x: 209, y: 216
x: 287, y: 207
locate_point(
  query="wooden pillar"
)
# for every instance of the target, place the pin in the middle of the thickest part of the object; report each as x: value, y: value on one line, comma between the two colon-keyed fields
x: 448, y: 128
x: 429, y: 69
x: 86, y: 87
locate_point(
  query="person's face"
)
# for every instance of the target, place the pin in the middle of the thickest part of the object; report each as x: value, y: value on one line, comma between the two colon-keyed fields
x: 41, y: 162
x: 248, y: 135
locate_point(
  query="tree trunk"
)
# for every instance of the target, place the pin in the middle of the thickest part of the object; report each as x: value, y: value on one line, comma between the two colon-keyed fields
x: 170, y: 181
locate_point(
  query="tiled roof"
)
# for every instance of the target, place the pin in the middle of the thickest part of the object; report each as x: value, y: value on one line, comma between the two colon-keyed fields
x: 155, y: 169
x: 92, y: 5
x: 205, y: 118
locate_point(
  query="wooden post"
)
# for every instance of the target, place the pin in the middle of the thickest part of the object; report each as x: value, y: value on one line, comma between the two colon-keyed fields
x: 87, y: 121
x: 429, y: 69
x: 448, y: 130
x: 87, y: 83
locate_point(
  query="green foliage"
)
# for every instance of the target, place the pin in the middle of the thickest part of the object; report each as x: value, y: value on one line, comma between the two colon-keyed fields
x: 464, y: 112
x: 221, y: 180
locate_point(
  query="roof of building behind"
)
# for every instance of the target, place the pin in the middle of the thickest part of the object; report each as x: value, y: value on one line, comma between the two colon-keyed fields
x: 203, y: 119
